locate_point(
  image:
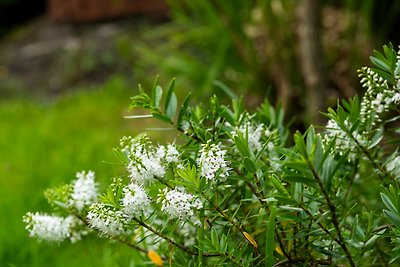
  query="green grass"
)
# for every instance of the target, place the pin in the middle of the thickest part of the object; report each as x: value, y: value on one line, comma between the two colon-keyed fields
x: 44, y: 144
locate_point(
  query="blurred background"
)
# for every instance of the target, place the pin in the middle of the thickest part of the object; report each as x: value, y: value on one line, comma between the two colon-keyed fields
x: 68, y: 68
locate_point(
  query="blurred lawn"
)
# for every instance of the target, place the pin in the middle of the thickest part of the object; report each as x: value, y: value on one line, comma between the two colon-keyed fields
x: 43, y: 144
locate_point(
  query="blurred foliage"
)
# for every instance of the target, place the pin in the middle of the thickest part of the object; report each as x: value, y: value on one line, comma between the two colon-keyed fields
x: 381, y: 17
x: 253, y: 46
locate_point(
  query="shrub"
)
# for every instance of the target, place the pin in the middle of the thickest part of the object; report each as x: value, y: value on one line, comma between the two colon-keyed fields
x: 232, y: 191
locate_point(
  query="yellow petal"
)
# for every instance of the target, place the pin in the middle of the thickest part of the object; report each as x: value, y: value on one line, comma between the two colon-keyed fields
x: 279, y: 250
x: 155, y: 258
x: 250, y: 239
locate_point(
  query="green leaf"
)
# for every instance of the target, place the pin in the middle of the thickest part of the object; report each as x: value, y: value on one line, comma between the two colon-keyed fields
x: 341, y: 117
x: 285, y: 200
x: 141, y: 100
x: 225, y: 89
x: 214, y: 238
x: 238, y: 108
x: 318, y: 152
x: 223, y: 243
x: 310, y: 140
x: 242, y: 146
x: 300, y: 144
x: 161, y: 117
x: 380, y: 63
x: 330, y: 167
x: 384, y: 74
x: 388, y: 202
x: 109, y: 198
x: 300, y: 179
x: 183, y: 110
x: 278, y: 185
x: 169, y: 95
x: 327, y: 152
x: 155, y: 84
x: 372, y: 240
x: 157, y: 95
x: 171, y: 107
x: 189, y: 173
x: 394, y: 217
x: 249, y: 165
x: 227, y: 114
x: 377, y: 138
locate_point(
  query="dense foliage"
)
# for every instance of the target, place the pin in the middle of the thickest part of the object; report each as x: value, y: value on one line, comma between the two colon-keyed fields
x: 232, y: 191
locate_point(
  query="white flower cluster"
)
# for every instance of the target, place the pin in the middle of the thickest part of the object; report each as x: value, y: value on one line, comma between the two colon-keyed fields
x: 135, y: 201
x: 169, y: 154
x: 397, y: 70
x: 179, y: 204
x: 84, y: 190
x: 212, y: 162
x: 144, y: 165
x: 378, y: 97
x: 253, y: 134
x: 146, y: 162
x: 54, y: 228
x: 343, y: 142
x: 107, y: 220
x: 113, y: 219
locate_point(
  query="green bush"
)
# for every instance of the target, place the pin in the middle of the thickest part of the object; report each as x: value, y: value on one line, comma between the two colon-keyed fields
x: 232, y: 191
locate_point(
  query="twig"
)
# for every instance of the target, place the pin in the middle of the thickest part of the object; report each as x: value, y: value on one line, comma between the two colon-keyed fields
x: 166, y: 238
x: 368, y: 155
x: 304, y: 260
x: 332, y: 209
x: 231, y: 221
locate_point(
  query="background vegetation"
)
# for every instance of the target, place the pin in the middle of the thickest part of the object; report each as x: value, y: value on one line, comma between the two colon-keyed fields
x: 45, y: 140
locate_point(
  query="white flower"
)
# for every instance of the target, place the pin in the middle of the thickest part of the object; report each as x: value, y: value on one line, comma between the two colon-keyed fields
x: 160, y: 153
x: 135, y: 201
x: 212, y: 162
x: 379, y: 97
x: 168, y: 154
x: 84, y: 190
x: 107, y: 220
x: 396, y: 97
x: 172, y: 154
x: 253, y: 135
x: 147, y: 162
x: 343, y: 142
x: 144, y: 165
x: 53, y: 228
x: 179, y: 204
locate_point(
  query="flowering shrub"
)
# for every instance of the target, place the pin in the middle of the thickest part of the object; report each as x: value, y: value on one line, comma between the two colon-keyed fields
x: 232, y: 191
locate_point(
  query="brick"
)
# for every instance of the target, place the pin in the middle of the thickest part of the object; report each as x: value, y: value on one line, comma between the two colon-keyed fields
x: 96, y: 10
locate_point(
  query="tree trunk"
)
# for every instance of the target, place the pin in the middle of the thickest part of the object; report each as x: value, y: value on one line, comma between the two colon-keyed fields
x: 311, y: 57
